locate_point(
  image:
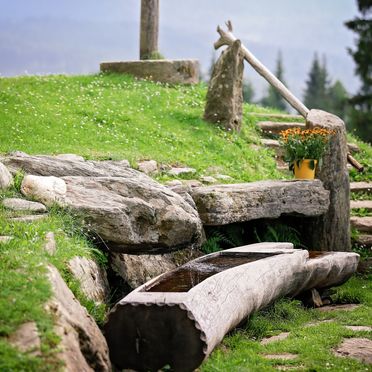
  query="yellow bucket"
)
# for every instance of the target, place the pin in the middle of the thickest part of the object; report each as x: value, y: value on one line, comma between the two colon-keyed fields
x: 304, y: 171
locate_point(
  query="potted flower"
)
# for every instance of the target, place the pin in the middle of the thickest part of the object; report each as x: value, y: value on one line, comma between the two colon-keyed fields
x: 304, y: 149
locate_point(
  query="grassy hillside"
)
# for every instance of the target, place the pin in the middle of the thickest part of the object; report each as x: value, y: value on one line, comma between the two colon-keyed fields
x: 118, y: 117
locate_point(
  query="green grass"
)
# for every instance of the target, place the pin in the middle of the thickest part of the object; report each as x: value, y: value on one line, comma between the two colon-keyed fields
x: 117, y: 117
x: 242, y: 351
x: 24, y: 289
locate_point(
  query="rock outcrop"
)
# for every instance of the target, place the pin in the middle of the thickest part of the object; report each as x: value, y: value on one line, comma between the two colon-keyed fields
x: 225, y: 92
x: 92, y: 278
x: 224, y: 204
x: 133, y: 214
x: 83, y: 347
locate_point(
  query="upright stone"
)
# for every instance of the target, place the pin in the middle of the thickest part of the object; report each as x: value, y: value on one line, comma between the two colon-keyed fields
x: 331, y: 231
x: 225, y: 93
x: 149, y: 28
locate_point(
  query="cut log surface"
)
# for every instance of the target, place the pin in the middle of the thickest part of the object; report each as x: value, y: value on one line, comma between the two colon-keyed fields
x: 179, y: 317
x: 224, y: 204
x: 363, y: 224
x: 361, y: 204
x: 361, y: 187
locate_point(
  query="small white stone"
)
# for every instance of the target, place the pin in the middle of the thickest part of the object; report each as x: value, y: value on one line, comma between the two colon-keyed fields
x: 181, y: 171
x: 148, y: 166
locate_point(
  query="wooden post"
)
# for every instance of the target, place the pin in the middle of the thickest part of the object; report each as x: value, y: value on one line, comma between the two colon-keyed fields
x: 149, y: 28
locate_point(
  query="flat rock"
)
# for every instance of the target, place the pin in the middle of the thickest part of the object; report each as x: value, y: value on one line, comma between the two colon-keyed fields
x: 282, y: 356
x: 5, y: 239
x: 361, y: 187
x: 44, y: 165
x: 83, y: 347
x: 223, y: 177
x: 50, y: 245
x: 338, y: 307
x: 357, y: 348
x: 361, y: 204
x: 92, y: 278
x: 359, y: 328
x: 280, y: 337
x: 276, y: 127
x: 148, y: 166
x: 173, y: 183
x: 208, y: 180
x: 192, y: 183
x: 363, y: 224
x: 315, y: 324
x: 181, y: 171
x: 224, y: 204
x: 71, y: 157
x: 26, y: 339
x: 275, y: 116
x: 30, y: 218
x: 365, y: 266
x: 364, y: 239
x: 17, y: 204
x: 6, y: 179
x: 132, y: 214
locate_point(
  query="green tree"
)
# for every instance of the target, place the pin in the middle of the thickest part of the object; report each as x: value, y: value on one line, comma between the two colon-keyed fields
x: 338, y: 100
x: 248, y: 91
x: 317, y: 85
x: 273, y: 97
x: 361, y: 113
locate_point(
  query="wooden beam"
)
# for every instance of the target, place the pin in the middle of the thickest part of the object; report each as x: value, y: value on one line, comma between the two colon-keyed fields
x: 149, y: 32
x: 227, y: 38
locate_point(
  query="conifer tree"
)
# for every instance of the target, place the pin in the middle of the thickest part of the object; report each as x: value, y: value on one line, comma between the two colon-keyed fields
x: 361, y: 114
x: 338, y: 100
x: 273, y: 98
x: 248, y: 91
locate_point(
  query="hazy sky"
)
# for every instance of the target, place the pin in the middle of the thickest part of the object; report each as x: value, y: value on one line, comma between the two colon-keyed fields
x: 44, y: 36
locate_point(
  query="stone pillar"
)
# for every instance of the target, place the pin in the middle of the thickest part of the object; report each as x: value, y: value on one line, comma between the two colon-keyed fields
x: 331, y: 232
x: 149, y: 28
x: 224, y: 104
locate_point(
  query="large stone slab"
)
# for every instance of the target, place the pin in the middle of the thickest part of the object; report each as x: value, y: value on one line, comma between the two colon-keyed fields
x: 82, y: 345
x: 44, y: 165
x: 224, y: 204
x: 132, y: 214
x: 162, y: 70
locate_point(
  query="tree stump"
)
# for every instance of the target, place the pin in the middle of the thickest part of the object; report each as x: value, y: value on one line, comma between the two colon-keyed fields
x: 225, y: 92
x: 331, y: 231
x: 149, y: 28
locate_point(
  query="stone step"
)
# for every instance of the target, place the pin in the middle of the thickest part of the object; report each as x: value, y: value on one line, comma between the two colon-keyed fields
x: 274, y: 127
x: 225, y: 204
x: 274, y: 144
x: 361, y: 204
x: 363, y: 224
x: 361, y: 187
x: 364, y: 239
x: 276, y: 116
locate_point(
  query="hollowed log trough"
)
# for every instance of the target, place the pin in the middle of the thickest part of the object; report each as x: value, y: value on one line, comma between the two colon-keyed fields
x: 179, y: 317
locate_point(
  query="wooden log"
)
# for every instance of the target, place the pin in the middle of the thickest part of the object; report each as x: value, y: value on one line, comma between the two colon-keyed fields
x: 179, y: 317
x: 359, y: 167
x: 331, y: 232
x: 149, y: 32
x: 227, y: 38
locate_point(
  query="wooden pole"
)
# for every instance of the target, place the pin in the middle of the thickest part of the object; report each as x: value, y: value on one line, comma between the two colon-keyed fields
x: 227, y: 38
x: 149, y: 32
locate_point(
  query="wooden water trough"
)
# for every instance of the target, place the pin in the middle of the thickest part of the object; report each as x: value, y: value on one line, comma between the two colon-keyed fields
x: 179, y: 317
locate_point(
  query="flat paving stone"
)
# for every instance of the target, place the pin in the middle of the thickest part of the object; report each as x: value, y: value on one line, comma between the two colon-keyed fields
x: 280, y: 337
x: 283, y: 356
x: 314, y: 324
x: 361, y: 187
x: 359, y: 328
x: 343, y: 307
x: 31, y: 218
x: 357, y: 348
x: 17, y: 204
x: 364, y: 239
x: 26, y: 338
x: 363, y: 224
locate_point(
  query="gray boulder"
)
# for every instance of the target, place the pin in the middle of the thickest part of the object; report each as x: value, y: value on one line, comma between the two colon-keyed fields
x: 225, y: 92
x: 6, y: 179
x: 82, y: 345
x: 18, y: 204
x: 132, y: 214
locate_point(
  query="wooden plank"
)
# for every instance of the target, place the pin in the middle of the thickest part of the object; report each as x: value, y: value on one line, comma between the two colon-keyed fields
x: 275, y: 116
x: 361, y: 187
x: 361, y: 204
x: 363, y: 224
x: 148, y: 330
